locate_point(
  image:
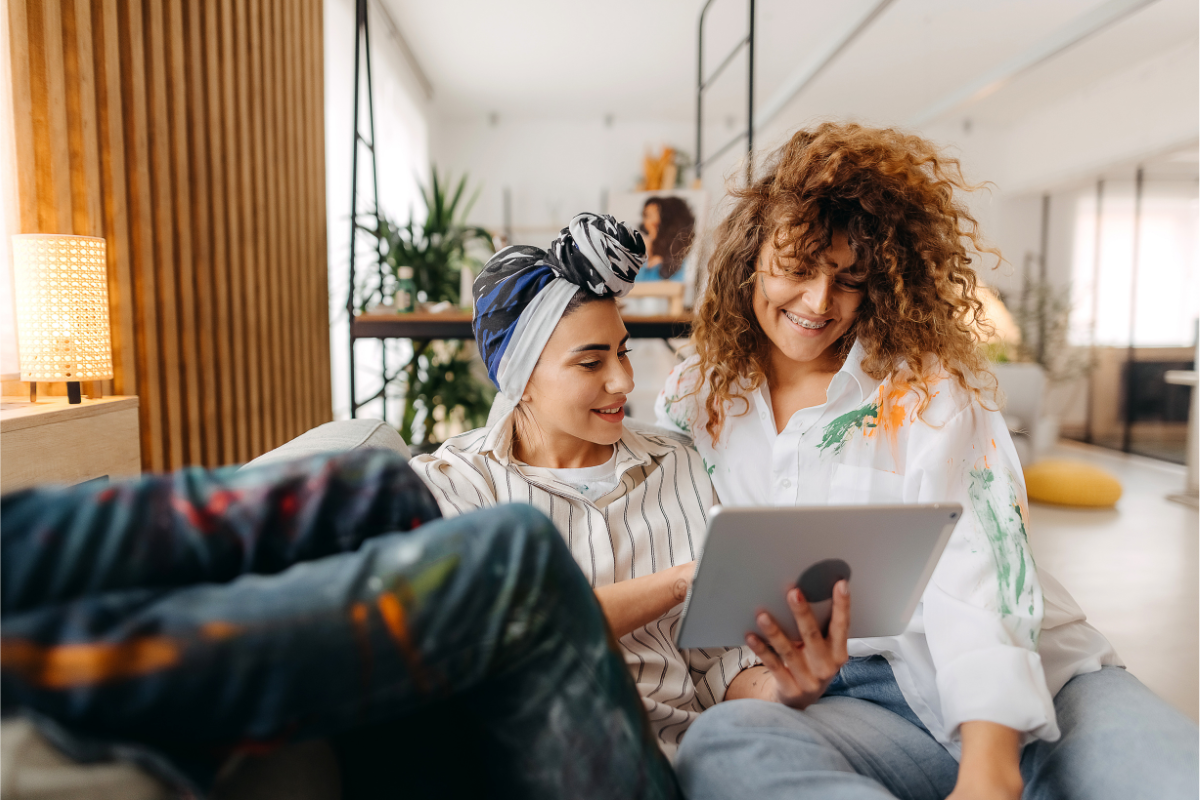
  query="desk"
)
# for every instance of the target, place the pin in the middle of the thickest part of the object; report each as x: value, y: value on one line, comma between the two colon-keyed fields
x: 457, y: 325
x: 423, y: 327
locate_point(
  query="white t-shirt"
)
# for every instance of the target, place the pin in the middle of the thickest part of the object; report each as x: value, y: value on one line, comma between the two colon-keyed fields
x: 992, y: 639
x: 591, y: 482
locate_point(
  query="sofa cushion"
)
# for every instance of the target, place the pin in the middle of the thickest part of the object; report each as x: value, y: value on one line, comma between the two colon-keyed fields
x: 336, y: 437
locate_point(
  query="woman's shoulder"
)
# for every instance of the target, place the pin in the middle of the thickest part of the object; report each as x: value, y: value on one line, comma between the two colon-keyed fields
x: 464, y: 446
x: 948, y: 395
x: 685, y: 377
x: 679, y: 402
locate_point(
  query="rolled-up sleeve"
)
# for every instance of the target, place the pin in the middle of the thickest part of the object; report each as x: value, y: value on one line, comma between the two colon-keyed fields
x: 983, y: 608
x: 714, y: 668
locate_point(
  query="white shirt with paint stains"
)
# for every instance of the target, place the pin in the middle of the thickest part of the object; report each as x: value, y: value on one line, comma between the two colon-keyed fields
x: 992, y: 639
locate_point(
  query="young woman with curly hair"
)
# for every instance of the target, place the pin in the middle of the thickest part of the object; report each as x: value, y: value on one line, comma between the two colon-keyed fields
x: 837, y: 362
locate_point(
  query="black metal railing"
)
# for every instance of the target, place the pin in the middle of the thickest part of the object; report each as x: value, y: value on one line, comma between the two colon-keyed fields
x: 703, y: 83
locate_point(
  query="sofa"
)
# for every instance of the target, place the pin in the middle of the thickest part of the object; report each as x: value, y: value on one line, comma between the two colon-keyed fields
x: 32, y: 769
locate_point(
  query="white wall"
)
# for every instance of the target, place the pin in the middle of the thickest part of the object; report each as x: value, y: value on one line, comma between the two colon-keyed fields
x: 402, y: 143
x: 553, y: 168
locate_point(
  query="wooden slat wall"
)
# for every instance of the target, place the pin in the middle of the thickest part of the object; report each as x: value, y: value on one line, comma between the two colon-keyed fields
x: 189, y: 134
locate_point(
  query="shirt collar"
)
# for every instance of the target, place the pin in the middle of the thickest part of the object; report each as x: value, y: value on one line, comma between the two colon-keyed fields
x: 634, y: 448
x: 866, y: 385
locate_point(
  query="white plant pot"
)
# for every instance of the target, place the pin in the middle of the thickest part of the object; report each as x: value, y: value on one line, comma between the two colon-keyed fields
x: 1045, y: 435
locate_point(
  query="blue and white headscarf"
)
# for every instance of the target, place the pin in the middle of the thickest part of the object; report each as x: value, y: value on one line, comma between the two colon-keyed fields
x: 523, y: 291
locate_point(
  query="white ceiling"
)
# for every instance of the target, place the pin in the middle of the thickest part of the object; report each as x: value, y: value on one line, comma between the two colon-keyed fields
x: 636, y: 59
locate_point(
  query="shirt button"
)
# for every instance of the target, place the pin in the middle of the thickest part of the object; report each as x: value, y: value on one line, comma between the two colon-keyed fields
x: 785, y: 483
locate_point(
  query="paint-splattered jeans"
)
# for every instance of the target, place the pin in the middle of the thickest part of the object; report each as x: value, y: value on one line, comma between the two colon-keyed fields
x: 179, y: 619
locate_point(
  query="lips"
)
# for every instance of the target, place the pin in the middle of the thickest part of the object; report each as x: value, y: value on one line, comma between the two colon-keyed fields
x: 614, y: 413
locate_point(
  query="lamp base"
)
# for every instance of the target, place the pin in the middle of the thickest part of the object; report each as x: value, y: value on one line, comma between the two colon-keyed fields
x: 74, y: 395
x: 32, y: 392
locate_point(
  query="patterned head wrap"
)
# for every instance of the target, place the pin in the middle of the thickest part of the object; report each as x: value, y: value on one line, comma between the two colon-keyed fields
x: 523, y: 291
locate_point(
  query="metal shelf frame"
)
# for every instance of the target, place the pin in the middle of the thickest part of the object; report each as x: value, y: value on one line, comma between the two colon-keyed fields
x: 703, y: 83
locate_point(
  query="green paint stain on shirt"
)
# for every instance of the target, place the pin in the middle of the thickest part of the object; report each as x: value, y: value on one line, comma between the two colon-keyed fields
x: 1002, y: 523
x: 837, y: 432
x: 707, y: 467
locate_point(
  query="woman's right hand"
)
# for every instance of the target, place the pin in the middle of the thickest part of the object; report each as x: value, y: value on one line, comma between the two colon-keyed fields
x: 802, y: 671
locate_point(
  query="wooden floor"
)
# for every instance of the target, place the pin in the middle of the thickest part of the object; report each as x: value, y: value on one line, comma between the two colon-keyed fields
x: 1134, y: 570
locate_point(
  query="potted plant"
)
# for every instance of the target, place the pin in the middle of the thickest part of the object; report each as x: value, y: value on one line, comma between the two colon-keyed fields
x: 442, y: 386
x: 1041, y: 315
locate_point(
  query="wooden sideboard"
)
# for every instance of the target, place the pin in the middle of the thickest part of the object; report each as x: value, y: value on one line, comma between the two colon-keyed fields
x: 52, y: 441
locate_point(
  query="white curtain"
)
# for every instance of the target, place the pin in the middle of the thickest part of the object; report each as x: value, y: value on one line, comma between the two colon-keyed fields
x: 1165, y: 290
x: 402, y: 148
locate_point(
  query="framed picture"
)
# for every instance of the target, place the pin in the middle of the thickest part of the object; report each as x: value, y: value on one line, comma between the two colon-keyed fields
x: 673, y: 224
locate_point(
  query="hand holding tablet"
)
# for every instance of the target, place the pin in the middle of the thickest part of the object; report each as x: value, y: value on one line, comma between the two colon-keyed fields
x: 801, y: 671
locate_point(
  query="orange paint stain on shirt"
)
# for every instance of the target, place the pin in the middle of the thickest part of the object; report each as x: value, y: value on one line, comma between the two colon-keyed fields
x: 397, y: 624
x: 73, y: 665
x: 993, y: 444
x: 890, y: 418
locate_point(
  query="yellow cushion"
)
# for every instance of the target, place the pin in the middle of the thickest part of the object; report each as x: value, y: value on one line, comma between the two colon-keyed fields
x: 1071, y: 483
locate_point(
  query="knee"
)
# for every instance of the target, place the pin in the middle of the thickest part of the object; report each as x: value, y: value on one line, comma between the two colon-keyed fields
x: 739, y: 735
x: 531, y: 550
x: 725, y: 726
x: 1118, y: 739
x: 522, y: 536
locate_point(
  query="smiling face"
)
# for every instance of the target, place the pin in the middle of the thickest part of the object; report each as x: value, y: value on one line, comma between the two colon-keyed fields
x: 574, y: 403
x: 805, y: 312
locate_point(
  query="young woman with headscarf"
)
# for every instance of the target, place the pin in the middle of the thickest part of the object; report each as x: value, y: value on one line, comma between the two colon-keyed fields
x: 631, y: 502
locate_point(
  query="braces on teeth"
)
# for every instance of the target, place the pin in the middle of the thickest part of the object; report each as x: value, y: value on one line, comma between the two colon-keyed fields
x: 803, y: 323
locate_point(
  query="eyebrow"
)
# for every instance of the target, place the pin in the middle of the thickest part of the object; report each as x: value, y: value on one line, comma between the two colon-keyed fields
x: 585, y: 348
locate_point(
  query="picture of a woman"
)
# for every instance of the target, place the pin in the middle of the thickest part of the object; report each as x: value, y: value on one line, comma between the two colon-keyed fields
x: 669, y: 228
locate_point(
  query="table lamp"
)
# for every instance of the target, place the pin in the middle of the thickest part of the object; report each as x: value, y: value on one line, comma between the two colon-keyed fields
x: 62, y: 310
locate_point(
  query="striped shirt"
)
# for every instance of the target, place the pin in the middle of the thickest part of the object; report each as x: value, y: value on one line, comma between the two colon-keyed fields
x: 654, y: 519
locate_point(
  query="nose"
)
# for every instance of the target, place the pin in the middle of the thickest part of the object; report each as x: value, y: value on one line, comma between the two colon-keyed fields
x: 818, y: 292
x: 620, y: 379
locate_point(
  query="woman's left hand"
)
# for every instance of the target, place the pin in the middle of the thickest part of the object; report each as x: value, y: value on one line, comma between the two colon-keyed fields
x: 801, y: 671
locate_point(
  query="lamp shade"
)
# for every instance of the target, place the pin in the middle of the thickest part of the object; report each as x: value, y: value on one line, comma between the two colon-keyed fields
x: 62, y: 307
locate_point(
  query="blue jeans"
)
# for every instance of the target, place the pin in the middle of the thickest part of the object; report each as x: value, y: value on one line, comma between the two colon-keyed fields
x: 177, y: 620
x: 861, y: 740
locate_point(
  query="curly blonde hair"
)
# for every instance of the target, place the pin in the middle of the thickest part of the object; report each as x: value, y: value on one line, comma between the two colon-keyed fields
x: 893, y: 194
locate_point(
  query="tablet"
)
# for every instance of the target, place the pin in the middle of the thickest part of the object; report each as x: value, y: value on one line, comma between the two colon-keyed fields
x: 753, y: 556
